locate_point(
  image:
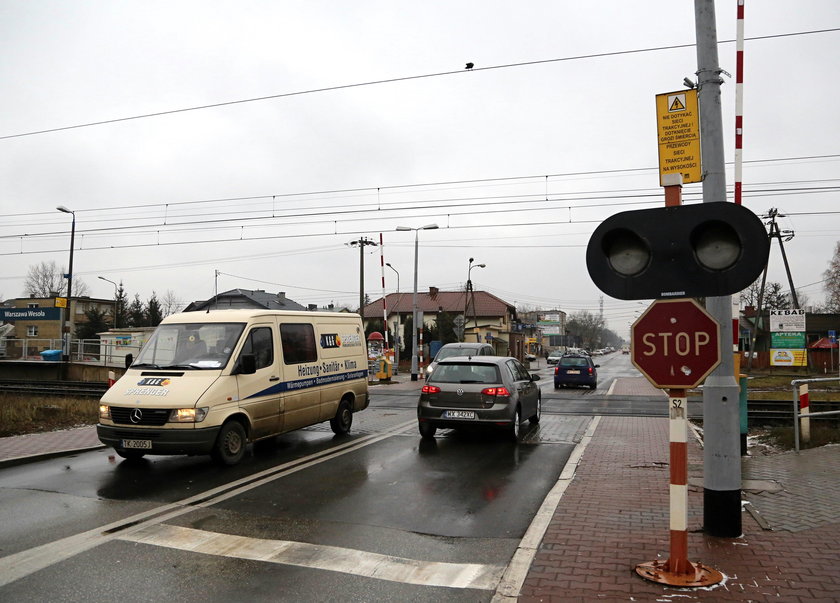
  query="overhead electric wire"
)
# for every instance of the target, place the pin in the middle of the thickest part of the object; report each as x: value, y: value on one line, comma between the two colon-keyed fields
x: 395, y: 80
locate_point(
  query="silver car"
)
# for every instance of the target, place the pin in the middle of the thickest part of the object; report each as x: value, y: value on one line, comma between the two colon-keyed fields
x: 463, y: 348
x: 492, y: 391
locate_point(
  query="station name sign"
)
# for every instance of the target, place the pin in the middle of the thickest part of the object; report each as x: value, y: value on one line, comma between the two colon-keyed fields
x: 13, y: 314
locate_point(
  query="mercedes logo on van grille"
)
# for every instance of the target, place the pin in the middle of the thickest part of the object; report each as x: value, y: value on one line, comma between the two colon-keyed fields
x: 136, y: 415
x: 459, y: 391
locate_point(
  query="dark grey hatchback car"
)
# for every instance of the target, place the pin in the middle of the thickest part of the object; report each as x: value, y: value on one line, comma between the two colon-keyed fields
x: 493, y: 391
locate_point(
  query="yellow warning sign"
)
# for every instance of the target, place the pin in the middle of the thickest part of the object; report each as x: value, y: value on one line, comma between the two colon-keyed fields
x: 678, y: 129
x: 60, y: 302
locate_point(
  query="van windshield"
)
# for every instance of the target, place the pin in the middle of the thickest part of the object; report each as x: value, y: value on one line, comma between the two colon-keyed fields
x: 196, y: 346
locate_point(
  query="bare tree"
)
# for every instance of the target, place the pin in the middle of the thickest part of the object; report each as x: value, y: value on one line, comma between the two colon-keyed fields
x: 588, y: 326
x: 170, y: 303
x: 832, y: 282
x: 47, y: 280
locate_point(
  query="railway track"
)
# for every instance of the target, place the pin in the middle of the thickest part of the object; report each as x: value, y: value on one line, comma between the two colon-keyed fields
x: 82, y: 389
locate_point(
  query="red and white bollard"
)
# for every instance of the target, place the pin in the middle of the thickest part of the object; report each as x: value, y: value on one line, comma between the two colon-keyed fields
x: 804, y: 412
x: 111, y: 378
x: 678, y: 570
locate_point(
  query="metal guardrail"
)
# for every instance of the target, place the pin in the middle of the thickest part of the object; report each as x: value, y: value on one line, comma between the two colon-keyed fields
x: 797, y: 415
x: 85, y: 351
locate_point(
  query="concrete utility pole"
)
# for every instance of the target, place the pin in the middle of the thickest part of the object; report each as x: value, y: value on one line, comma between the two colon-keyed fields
x: 721, y: 418
x: 362, y: 243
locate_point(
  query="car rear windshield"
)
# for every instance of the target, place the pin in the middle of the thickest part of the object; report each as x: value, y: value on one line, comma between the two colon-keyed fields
x: 573, y: 362
x: 466, y: 373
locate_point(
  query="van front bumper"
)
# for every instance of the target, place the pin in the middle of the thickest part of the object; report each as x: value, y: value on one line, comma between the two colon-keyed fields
x: 164, y: 441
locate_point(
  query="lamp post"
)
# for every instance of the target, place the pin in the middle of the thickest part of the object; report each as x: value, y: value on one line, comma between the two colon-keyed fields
x: 397, y: 336
x: 65, y: 344
x: 467, y: 294
x: 116, y: 298
x: 414, y: 375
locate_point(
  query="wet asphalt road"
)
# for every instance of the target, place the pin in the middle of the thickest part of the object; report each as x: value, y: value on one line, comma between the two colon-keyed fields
x: 379, y: 515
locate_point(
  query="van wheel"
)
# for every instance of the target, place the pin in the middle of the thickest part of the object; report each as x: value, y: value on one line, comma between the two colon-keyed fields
x: 230, y: 445
x: 130, y: 455
x: 343, y: 419
x: 427, y: 430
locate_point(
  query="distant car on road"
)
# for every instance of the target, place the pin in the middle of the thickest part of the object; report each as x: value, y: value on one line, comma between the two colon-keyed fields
x: 463, y: 348
x: 576, y: 369
x: 489, y: 391
x: 554, y: 357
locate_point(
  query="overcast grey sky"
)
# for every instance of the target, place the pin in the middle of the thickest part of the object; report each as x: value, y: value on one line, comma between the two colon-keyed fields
x: 517, y: 160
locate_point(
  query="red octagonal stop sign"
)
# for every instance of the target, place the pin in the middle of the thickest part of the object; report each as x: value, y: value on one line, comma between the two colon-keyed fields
x: 675, y: 343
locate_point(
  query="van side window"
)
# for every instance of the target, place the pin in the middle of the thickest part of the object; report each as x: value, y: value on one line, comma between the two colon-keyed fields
x: 298, y: 343
x: 260, y: 344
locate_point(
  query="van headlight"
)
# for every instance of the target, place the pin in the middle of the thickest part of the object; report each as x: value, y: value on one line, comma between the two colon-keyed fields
x: 104, y: 412
x: 188, y: 415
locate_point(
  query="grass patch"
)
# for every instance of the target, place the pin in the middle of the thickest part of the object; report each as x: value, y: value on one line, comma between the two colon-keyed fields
x: 776, y: 386
x: 782, y: 437
x: 21, y: 414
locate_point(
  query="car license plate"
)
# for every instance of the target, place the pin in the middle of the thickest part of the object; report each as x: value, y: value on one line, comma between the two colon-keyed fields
x: 141, y: 444
x: 459, y: 414
x: 575, y: 372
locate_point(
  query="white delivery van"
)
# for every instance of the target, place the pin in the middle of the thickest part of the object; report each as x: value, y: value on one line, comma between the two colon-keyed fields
x: 210, y: 382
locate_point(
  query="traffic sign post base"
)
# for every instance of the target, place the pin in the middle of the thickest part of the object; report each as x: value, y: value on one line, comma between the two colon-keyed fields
x: 678, y: 570
x: 691, y: 574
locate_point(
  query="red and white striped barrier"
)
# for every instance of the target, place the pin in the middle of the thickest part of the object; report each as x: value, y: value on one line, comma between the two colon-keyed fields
x: 739, y: 101
x: 804, y: 411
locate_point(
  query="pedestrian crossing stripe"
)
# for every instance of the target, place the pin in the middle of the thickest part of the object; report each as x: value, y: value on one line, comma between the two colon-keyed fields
x: 678, y: 104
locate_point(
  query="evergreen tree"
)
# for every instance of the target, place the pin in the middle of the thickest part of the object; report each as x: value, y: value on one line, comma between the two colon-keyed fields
x: 135, y: 314
x: 154, y: 313
x: 97, y: 322
x: 121, y: 306
x: 444, y: 330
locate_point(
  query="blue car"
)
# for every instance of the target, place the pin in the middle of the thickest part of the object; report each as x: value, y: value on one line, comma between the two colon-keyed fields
x: 575, y: 369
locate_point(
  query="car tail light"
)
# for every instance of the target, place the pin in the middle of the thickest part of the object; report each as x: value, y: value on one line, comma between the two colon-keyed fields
x: 557, y: 370
x: 430, y: 389
x: 495, y: 391
x: 591, y: 370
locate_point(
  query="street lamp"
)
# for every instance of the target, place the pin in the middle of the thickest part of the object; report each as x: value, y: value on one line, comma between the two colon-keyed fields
x: 65, y: 345
x: 397, y: 333
x: 414, y: 375
x: 116, y: 298
x: 467, y: 293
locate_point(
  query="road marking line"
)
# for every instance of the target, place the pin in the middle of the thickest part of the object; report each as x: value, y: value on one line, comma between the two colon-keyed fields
x: 19, y: 565
x: 612, y: 387
x: 517, y: 570
x: 323, y: 557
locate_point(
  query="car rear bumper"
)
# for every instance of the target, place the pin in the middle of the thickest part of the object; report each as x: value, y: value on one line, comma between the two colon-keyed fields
x: 497, y: 415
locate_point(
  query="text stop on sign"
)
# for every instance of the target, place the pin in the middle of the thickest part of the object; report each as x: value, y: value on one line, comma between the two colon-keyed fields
x: 675, y: 343
x: 680, y: 343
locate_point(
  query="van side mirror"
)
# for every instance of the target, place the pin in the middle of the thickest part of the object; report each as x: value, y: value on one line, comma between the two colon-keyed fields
x: 535, y: 377
x: 129, y: 358
x: 247, y: 365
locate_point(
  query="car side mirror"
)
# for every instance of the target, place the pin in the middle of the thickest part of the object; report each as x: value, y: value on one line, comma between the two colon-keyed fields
x: 535, y: 377
x: 247, y: 365
x: 129, y: 358
x: 597, y: 366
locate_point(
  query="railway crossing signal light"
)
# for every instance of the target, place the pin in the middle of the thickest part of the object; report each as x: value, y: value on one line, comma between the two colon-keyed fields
x: 700, y: 250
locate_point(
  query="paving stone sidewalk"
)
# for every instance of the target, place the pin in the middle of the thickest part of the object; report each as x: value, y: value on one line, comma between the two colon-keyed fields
x: 614, y: 515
